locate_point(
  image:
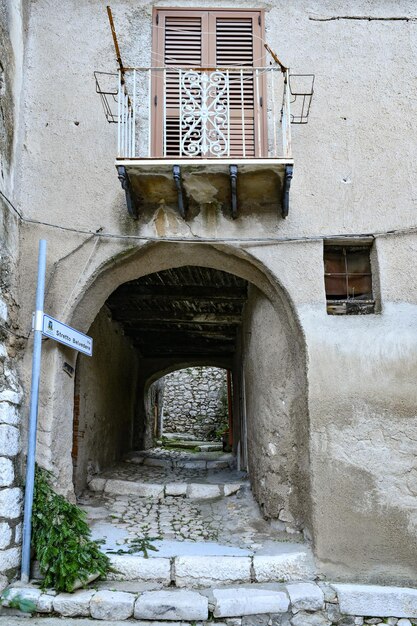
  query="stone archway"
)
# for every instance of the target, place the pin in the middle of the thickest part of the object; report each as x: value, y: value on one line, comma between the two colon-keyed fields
x: 269, y: 370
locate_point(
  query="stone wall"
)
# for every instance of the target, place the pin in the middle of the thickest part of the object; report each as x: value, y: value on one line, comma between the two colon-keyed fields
x: 276, y: 414
x: 10, y: 399
x: 12, y: 341
x: 195, y: 401
x: 105, y: 399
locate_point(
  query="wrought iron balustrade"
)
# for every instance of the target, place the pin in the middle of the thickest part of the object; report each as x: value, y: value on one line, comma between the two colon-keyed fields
x: 203, y: 113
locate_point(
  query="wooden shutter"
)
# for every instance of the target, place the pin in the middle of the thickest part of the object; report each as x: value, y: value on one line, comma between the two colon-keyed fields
x: 237, y: 38
x: 184, y: 38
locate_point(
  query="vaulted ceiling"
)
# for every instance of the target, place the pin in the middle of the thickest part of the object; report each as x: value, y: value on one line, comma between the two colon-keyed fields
x: 184, y: 312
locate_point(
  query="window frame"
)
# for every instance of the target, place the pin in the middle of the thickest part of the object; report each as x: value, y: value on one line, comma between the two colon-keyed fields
x: 157, y: 56
x: 349, y: 305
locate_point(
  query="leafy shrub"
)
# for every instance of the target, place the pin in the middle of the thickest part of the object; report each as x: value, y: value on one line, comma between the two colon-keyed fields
x: 61, y: 539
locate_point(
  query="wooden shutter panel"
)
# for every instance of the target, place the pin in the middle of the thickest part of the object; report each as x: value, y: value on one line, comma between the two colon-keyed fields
x: 235, y: 46
x: 183, y: 48
x: 208, y: 39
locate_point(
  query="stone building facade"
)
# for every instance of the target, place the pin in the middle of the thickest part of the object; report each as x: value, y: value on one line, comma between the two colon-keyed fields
x: 194, y: 401
x: 324, y: 405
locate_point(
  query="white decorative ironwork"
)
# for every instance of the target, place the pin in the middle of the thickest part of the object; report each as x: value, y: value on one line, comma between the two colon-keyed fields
x: 200, y: 111
x: 204, y: 114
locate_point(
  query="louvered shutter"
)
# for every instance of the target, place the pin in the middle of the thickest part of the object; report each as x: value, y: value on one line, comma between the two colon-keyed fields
x: 186, y: 39
x: 238, y: 43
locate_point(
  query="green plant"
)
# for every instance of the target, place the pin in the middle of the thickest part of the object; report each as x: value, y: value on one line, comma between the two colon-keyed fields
x: 17, y: 602
x: 139, y: 544
x: 61, y: 539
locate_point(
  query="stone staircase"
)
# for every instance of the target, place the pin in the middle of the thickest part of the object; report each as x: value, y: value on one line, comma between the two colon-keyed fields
x: 200, y: 517
x: 207, y: 554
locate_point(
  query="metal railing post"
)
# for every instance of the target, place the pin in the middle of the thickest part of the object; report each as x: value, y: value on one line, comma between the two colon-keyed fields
x: 119, y: 113
x: 258, y: 112
x: 286, y: 130
x: 133, y: 150
x: 164, y: 130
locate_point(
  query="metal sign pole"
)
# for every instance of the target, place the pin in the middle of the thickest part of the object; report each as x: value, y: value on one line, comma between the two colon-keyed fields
x: 33, y: 414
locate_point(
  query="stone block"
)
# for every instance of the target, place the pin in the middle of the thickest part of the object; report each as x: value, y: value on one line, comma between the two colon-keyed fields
x: 245, y: 601
x: 307, y: 596
x: 171, y: 605
x: 176, y: 489
x: 3, y: 583
x: 197, y: 491
x: 5, y: 535
x: 10, y: 502
x: 9, y: 414
x: 97, y: 484
x: 112, y: 605
x: 30, y: 594
x: 45, y: 603
x: 9, y: 440
x: 128, y: 567
x: 377, y: 601
x: 3, y: 311
x: 6, y: 472
x: 12, y: 397
x: 200, y: 571
x: 404, y: 622
x: 9, y: 559
x: 128, y: 487
x: 328, y: 591
x: 75, y: 604
x: 284, y: 567
x: 309, y: 619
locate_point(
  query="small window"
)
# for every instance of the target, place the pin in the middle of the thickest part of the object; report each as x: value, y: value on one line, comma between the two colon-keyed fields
x: 348, y: 279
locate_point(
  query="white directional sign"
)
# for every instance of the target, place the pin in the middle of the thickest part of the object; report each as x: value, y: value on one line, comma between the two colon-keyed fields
x: 58, y: 331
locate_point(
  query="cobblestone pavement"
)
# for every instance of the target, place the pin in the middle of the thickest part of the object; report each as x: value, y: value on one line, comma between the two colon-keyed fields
x: 144, y: 473
x: 234, y: 521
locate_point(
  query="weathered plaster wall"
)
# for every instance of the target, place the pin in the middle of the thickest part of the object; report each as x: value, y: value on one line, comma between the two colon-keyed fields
x: 11, y: 343
x: 276, y: 413
x: 106, y: 390
x: 346, y: 157
x: 194, y: 400
x: 362, y: 400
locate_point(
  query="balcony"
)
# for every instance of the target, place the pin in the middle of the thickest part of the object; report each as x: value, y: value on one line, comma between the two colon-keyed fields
x: 188, y: 137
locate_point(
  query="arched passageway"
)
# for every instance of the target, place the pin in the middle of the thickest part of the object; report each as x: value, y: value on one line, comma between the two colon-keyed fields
x: 198, y: 315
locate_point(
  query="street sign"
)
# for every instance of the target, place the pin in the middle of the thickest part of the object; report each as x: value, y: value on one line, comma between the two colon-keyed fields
x: 70, y: 337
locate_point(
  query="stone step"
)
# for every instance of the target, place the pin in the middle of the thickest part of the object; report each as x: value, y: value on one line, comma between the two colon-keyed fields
x: 158, y: 491
x: 299, y: 604
x: 169, y: 605
x: 203, y: 568
x: 179, y: 436
x: 185, y: 460
x: 199, y: 446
